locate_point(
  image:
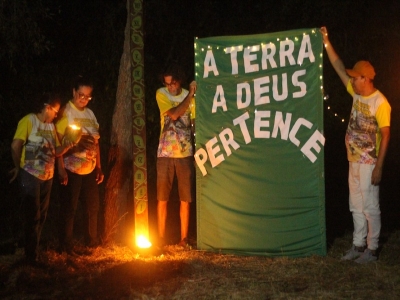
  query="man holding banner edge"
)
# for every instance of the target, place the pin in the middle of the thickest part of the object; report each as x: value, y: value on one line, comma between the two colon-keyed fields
x: 176, y: 148
x: 367, y: 140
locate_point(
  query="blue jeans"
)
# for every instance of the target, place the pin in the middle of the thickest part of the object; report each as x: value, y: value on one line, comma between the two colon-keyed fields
x: 35, y: 195
x: 84, y: 188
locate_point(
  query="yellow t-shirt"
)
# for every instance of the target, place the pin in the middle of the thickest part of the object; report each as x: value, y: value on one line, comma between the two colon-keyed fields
x: 363, y: 136
x: 40, y: 140
x: 176, y: 138
x: 81, y: 159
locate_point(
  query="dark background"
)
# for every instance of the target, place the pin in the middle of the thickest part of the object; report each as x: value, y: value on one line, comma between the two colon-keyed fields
x: 46, y: 43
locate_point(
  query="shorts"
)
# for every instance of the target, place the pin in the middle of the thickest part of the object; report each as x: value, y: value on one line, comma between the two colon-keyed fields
x: 167, y: 168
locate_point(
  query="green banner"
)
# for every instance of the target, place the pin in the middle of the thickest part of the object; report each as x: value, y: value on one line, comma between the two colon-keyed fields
x: 259, y: 144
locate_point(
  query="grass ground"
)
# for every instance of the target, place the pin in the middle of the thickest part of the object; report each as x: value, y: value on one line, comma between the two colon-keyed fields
x: 119, y: 272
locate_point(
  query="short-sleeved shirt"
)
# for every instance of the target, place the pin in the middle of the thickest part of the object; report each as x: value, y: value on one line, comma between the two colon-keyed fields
x: 81, y: 159
x: 363, y: 136
x: 176, y: 139
x: 38, y: 152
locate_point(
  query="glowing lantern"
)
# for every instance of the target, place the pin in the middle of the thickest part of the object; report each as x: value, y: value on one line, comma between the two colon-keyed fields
x: 73, y: 134
x: 142, y: 242
x: 141, y: 210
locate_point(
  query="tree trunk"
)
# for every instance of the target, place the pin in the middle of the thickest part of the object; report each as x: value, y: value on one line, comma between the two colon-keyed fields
x: 118, y: 194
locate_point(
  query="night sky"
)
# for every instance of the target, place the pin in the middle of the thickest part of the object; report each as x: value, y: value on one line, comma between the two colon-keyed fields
x: 86, y: 36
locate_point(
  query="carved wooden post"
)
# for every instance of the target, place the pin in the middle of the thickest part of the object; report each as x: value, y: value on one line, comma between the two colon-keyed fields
x: 138, y: 121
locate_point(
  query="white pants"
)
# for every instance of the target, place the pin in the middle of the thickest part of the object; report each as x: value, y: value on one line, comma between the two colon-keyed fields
x: 364, y: 205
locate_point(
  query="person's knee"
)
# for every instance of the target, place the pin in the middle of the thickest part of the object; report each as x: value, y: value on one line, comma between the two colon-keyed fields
x: 372, y: 215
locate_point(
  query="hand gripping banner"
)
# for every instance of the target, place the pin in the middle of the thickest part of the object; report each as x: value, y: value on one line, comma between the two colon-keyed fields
x: 260, y: 144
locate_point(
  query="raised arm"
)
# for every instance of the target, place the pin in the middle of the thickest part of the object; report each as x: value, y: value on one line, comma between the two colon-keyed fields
x: 334, y: 58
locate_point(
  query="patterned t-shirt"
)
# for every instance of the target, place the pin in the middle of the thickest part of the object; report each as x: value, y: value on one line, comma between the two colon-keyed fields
x: 176, y: 136
x: 40, y: 140
x: 81, y: 159
x: 363, y: 136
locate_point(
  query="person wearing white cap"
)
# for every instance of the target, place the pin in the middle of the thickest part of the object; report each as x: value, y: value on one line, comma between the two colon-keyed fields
x: 367, y: 140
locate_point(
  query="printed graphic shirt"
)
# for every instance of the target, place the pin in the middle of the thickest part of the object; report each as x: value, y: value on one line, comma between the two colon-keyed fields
x: 176, y: 136
x: 81, y: 159
x: 38, y: 152
x: 363, y: 136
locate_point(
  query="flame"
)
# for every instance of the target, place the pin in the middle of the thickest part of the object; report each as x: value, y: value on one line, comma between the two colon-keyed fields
x: 74, y: 127
x: 142, y: 242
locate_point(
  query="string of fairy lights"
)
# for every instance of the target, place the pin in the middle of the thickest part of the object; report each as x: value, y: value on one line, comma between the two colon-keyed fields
x: 334, y: 114
x: 329, y: 108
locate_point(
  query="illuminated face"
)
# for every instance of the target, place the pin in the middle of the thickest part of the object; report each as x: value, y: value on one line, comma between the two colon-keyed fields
x: 51, y: 112
x: 358, y: 84
x: 173, y: 86
x: 82, y: 96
